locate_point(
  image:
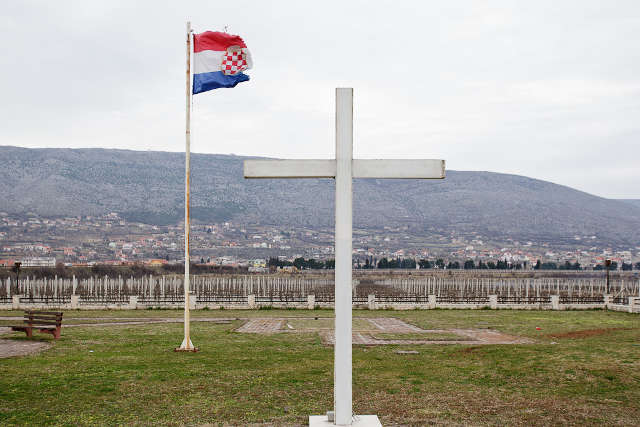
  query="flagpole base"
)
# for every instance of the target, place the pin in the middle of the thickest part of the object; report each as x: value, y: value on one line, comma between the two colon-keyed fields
x: 186, y: 345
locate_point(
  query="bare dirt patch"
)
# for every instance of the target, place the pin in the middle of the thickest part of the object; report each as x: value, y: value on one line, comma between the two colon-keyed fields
x: 586, y: 333
x: 11, y: 348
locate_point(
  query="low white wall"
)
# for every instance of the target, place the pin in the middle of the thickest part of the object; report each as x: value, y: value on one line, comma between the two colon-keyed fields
x: 633, y: 305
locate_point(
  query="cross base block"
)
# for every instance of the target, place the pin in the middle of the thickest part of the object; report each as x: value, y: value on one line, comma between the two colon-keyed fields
x: 188, y: 350
x: 358, y: 421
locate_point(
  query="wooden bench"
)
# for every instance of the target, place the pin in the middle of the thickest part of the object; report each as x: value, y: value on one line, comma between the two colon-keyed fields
x: 48, y: 322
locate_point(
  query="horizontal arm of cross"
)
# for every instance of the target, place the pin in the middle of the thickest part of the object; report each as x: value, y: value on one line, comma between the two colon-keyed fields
x: 289, y: 168
x: 399, y: 169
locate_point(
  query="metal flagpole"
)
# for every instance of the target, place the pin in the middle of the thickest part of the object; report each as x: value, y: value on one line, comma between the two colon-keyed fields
x: 187, y: 345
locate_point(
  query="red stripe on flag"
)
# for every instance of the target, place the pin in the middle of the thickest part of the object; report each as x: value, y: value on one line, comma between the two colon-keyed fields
x: 215, y: 40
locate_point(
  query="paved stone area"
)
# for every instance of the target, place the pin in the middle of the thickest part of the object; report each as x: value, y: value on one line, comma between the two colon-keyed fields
x: 488, y: 336
x: 262, y: 326
x: 476, y: 337
x: 386, y: 325
x: 393, y: 325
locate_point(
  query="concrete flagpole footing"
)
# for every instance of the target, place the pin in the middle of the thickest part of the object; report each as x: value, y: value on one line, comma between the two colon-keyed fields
x: 186, y: 346
x: 356, y: 421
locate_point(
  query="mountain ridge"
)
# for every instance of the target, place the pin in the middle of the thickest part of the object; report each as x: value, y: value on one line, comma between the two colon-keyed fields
x: 148, y: 186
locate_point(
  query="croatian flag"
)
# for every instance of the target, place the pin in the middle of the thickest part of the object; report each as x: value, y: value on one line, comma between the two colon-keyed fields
x: 219, y: 60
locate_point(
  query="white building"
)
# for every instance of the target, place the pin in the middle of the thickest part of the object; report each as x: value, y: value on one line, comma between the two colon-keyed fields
x: 39, y: 262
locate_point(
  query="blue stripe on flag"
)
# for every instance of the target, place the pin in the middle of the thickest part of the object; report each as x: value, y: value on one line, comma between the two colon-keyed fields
x: 203, y: 82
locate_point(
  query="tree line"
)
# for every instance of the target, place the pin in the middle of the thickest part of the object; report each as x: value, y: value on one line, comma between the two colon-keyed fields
x: 302, y: 264
x: 440, y: 263
x: 113, y: 271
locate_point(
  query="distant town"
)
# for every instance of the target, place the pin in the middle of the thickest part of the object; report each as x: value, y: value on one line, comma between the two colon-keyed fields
x: 36, y: 241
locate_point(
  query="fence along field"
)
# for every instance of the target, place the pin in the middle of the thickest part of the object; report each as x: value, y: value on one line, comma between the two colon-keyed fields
x: 397, y: 287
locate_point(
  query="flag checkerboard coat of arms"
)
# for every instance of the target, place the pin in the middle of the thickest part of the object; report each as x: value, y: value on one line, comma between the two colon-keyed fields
x: 235, y: 61
x: 219, y: 60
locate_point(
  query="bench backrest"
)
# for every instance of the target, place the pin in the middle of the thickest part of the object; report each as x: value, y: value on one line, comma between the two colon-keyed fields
x: 42, y: 318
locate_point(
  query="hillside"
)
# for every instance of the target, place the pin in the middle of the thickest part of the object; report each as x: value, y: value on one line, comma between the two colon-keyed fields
x: 148, y: 187
x: 634, y: 202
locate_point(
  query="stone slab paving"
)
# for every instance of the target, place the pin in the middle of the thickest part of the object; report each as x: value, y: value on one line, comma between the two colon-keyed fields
x: 476, y: 337
x: 262, y: 326
x: 393, y: 325
x: 387, y: 325
x: 488, y: 336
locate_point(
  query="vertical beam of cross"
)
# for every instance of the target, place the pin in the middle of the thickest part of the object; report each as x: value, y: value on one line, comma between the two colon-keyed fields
x: 344, y: 168
x: 343, y: 249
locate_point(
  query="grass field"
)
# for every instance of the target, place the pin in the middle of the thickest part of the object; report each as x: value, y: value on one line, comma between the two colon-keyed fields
x: 584, y: 368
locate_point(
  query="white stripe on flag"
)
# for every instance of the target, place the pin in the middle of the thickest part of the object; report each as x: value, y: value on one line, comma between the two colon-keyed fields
x: 207, y: 61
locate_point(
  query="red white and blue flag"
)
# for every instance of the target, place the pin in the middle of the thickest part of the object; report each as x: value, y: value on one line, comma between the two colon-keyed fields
x: 219, y: 60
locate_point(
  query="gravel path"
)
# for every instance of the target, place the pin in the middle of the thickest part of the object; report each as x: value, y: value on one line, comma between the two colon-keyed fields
x: 95, y: 321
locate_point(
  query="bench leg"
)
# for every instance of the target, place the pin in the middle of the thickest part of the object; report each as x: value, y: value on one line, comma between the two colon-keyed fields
x: 29, y: 332
x: 55, y: 333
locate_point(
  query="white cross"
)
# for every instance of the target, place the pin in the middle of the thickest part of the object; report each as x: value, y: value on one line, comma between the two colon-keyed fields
x: 344, y: 168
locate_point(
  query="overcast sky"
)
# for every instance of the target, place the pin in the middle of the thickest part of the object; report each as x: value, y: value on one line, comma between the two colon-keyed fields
x: 546, y: 89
